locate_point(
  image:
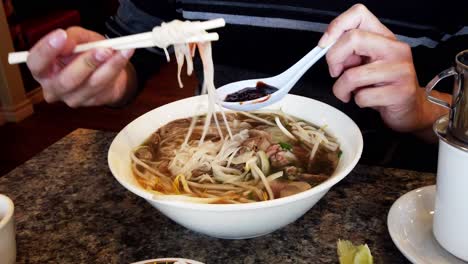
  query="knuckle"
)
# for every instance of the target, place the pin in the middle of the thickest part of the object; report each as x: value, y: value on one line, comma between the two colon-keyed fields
x: 349, y: 76
x: 115, y: 94
x: 73, y: 29
x: 48, y: 96
x: 360, y: 8
x: 408, y: 68
x: 72, y: 103
x: 43, y: 49
x: 98, y: 82
x: 409, y: 84
x: 91, y: 102
x: 120, y: 61
x: 335, y: 23
x: 96, y: 100
x: 67, y: 83
x: 406, y: 71
x: 74, y: 32
x: 90, y: 62
x: 118, y: 64
x: 337, y: 91
x: 360, y: 100
x: 405, y: 47
x: 35, y: 61
x: 354, y: 35
x: 340, y: 91
x: 94, y: 82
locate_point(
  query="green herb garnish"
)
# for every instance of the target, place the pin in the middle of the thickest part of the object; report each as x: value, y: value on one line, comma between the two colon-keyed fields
x: 340, y: 153
x: 285, y: 146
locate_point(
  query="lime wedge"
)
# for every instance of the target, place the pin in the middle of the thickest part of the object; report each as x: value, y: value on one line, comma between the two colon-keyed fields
x: 363, y: 255
x: 348, y: 253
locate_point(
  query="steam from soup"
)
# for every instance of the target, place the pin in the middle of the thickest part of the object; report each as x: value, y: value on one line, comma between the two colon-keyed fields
x: 270, y: 155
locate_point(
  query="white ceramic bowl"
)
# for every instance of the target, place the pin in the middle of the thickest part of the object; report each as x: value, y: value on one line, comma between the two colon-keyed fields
x: 237, y: 221
x: 7, y: 231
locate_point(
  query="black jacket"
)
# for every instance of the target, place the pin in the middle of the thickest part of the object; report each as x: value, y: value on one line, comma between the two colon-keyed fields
x: 264, y: 37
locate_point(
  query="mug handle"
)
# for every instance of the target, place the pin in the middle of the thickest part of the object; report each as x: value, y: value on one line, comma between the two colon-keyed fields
x: 448, y: 72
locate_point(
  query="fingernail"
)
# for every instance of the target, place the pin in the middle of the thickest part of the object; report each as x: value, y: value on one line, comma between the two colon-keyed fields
x: 58, y: 39
x: 127, y: 53
x: 347, y: 99
x: 335, y: 70
x: 102, y: 54
x: 324, y: 40
x: 330, y: 71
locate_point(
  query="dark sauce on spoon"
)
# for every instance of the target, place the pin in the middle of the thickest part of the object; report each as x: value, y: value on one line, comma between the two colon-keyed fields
x: 251, y: 93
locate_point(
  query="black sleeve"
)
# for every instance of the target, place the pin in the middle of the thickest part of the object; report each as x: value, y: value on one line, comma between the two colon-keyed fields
x: 136, y: 16
x: 431, y: 61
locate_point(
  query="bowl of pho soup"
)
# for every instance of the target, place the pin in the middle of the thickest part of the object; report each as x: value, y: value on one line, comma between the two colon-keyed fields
x: 242, y: 174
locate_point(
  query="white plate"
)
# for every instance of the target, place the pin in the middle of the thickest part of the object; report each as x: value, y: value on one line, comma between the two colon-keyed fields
x: 410, y: 226
x: 168, y: 260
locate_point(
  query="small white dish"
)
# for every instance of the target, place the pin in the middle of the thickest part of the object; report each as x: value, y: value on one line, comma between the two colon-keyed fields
x: 410, y: 225
x: 168, y: 261
x: 7, y: 231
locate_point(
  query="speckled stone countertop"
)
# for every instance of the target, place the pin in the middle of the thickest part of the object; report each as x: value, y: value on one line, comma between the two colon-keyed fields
x: 70, y: 209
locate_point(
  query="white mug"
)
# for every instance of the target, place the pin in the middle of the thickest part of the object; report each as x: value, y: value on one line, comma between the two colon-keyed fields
x: 7, y: 231
x: 451, y: 204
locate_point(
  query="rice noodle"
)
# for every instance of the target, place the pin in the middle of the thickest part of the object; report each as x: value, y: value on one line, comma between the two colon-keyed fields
x: 175, y: 31
x: 314, y: 150
x: 185, y: 184
x: 185, y: 198
x: 144, y: 165
x: 204, y: 178
x: 245, y: 185
x: 208, y: 83
x: 171, y: 33
x: 189, y: 133
x: 283, y: 129
x: 257, y: 118
x: 233, y: 154
x: 182, y: 54
x: 213, y: 186
x: 257, y: 170
x: 275, y: 176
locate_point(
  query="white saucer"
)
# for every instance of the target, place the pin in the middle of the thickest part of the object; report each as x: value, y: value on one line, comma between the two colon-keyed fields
x: 410, y: 225
x: 168, y: 260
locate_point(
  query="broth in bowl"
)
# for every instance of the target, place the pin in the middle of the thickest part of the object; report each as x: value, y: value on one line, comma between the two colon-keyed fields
x: 252, y: 157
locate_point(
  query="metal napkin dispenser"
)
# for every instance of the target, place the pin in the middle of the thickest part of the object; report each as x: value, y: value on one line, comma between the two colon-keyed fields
x: 458, y: 115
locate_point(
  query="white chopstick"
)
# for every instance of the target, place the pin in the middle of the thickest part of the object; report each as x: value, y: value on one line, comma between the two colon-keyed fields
x: 141, y: 40
x: 150, y: 43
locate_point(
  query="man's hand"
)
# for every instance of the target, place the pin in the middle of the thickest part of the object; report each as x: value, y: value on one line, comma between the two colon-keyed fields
x: 96, y: 77
x: 377, y: 70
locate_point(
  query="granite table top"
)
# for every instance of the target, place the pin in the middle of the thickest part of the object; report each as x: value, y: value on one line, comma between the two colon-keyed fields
x: 70, y: 209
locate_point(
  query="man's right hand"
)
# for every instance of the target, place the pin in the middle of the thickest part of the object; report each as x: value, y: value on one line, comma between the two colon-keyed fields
x: 96, y: 77
x: 377, y: 71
